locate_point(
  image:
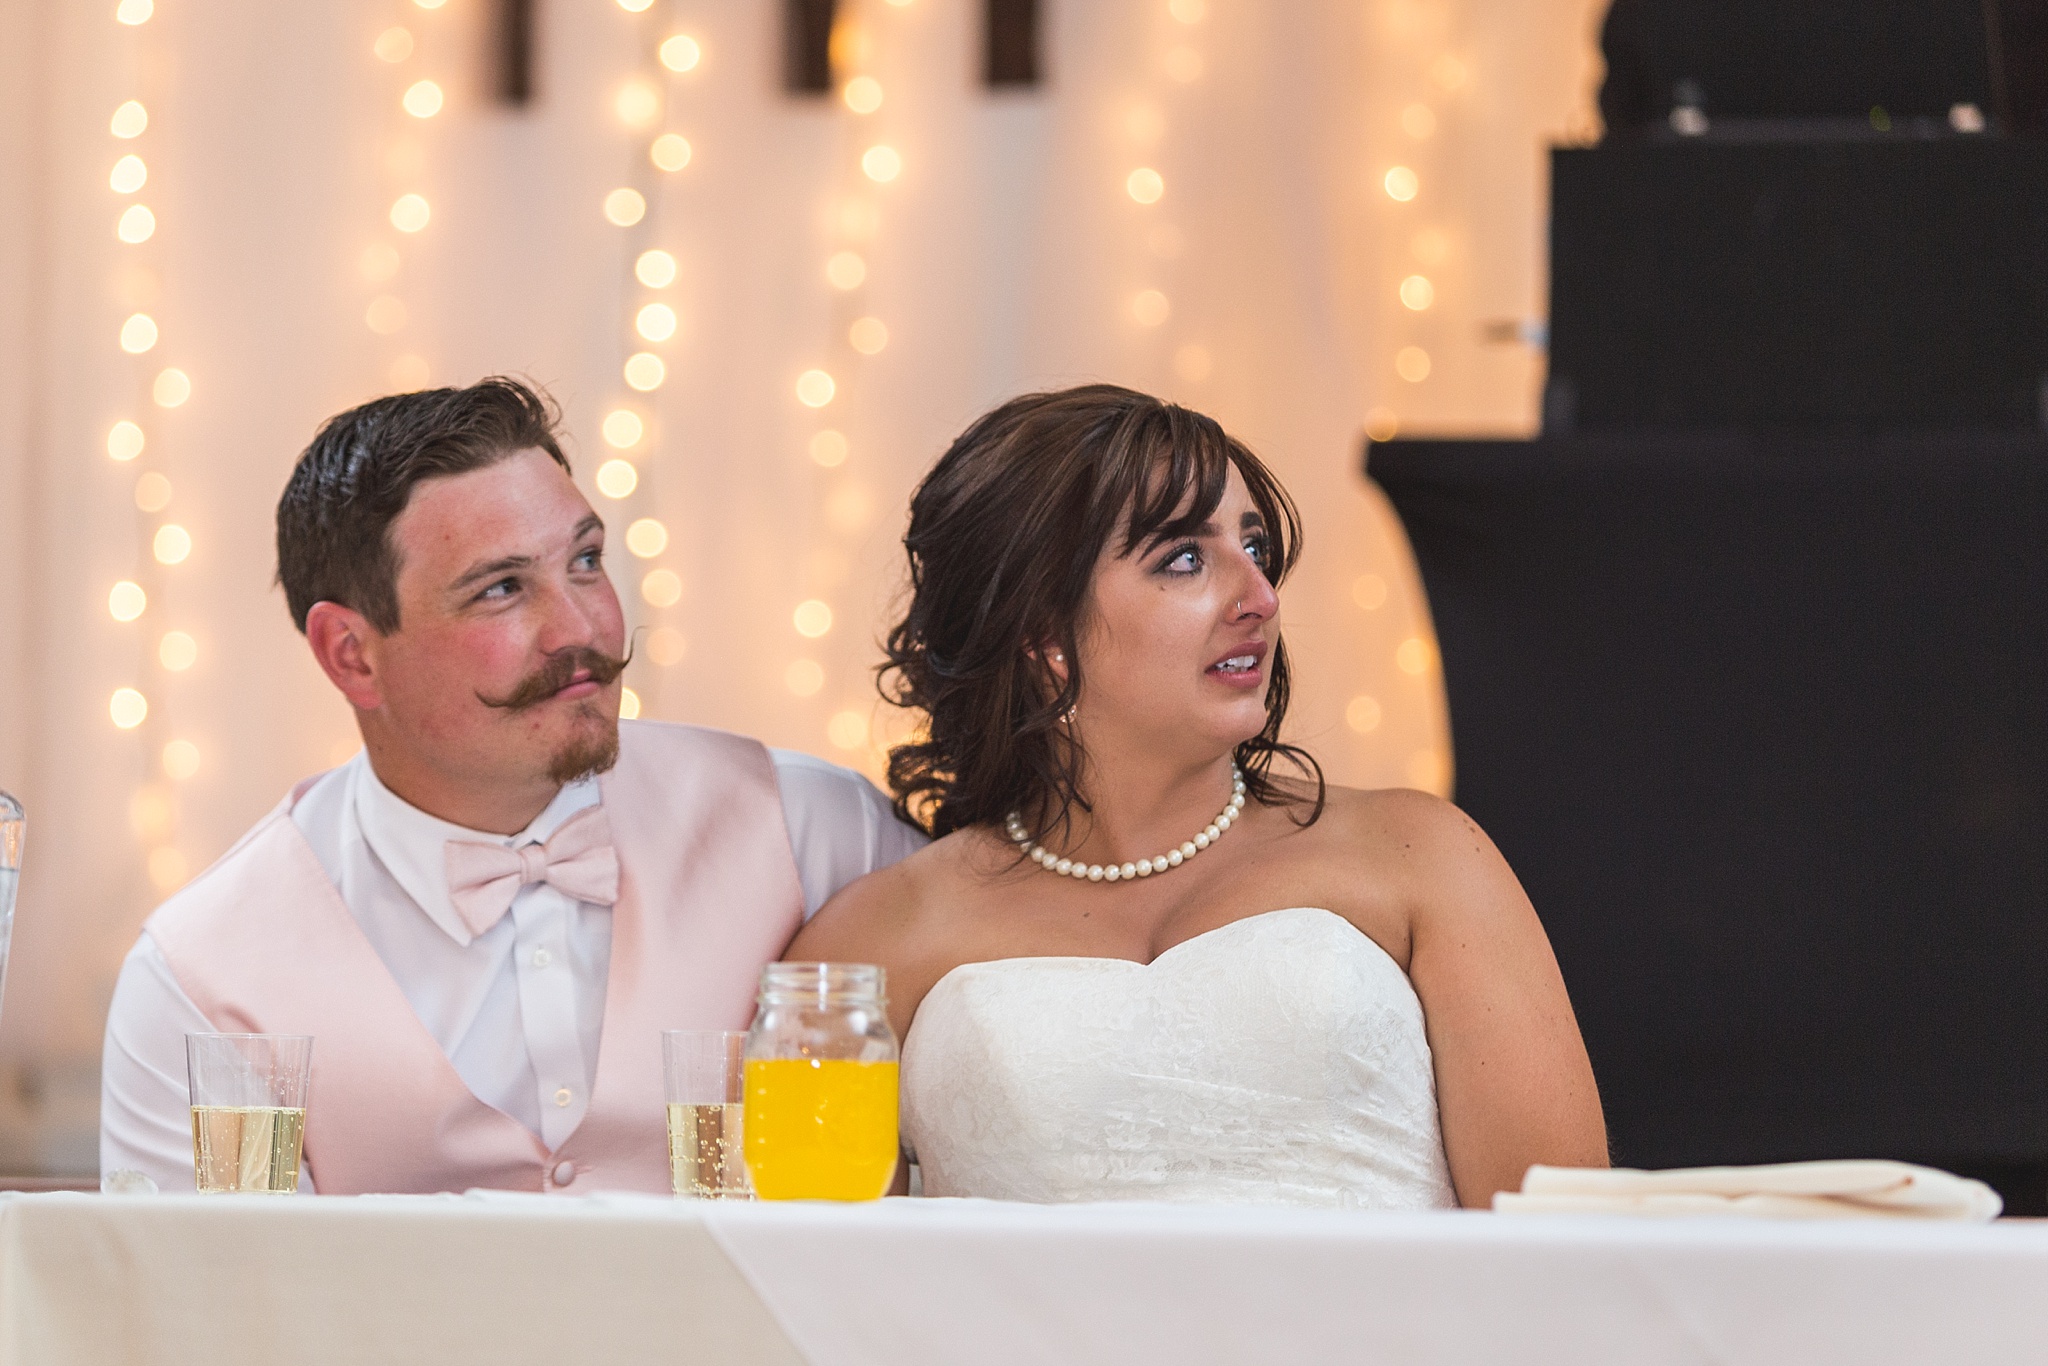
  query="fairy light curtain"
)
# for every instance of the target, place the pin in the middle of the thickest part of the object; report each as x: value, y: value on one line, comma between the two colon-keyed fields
x: 765, y: 315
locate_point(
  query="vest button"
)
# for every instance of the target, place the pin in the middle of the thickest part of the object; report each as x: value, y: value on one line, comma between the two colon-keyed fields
x: 564, y: 1173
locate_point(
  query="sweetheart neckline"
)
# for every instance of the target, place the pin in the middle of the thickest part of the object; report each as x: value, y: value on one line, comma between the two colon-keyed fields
x: 958, y: 968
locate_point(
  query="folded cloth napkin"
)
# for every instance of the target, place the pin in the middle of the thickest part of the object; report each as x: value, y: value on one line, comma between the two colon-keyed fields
x: 1785, y: 1190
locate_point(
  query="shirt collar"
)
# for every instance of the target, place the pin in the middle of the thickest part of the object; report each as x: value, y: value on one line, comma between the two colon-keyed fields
x: 410, y: 843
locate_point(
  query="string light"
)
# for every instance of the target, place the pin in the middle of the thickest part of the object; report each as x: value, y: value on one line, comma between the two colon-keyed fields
x: 624, y: 207
x: 623, y: 428
x: 1401, y: 184
x: 644, y: 371
x: 1145, y: 185
x: 662, y: 588
x: 126, y: 601
x: 138, y: 334
x: 180, y: 760
x: 812, y: 618
x: 863, y: 94
x: 669, y: 152
x: 868, y: 336
x: 130, y: 174
x: 666, y: 646
x: 137, y: 224
x: 846, y: 270
x: 177, y: 651
x: 655, y: 322
x: 881, y: 163
x: 680, y: 53
x: 815, y: 388
x: 647, y: 538
x: 172, y: 544
x: 172, y: 388
x: 804, y: 677
x: 847, y: 729
x: 656, y: 269
x: 1414, y: 655
x: 1363, y: 714
x: 1412, y: 364
x: 422, y: 99
x: 828, y: 449
x: 124, y: 441
x: 127, y: 708
x: 642, y: 103
x: 637, y: 104
x: 416, y: 97
x: 130, y: 120
x: 154, y: 814
x: 1417, y: 293
x: 410, y: 213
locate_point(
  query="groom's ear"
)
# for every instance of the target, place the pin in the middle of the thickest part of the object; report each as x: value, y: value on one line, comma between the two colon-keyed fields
x: 344, y: 643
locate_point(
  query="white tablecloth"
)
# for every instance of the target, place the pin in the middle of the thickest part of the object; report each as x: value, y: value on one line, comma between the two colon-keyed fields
x: 515, y: 1279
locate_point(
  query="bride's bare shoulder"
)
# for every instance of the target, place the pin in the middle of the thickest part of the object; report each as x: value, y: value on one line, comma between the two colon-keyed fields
x: 889, y: 907
x: 1402, y: 824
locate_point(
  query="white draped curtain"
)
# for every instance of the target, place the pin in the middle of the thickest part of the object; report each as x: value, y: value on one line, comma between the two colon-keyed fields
x: 1311, y: 160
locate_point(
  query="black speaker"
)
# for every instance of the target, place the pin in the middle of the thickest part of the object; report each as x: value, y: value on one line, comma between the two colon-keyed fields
x: 1831, y: 284
x: 1892, y: 60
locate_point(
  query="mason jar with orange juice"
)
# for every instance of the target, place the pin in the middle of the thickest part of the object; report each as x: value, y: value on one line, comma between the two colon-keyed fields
x: 820, y: 1118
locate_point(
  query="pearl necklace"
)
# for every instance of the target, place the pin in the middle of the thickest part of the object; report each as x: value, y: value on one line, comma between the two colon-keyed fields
x: 1144, y: 867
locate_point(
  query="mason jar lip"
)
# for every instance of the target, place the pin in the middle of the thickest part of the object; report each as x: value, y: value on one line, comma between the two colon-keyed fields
x: 863, y: 980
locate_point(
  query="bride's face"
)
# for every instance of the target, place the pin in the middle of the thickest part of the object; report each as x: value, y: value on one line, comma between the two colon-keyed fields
x: 1177, y: 637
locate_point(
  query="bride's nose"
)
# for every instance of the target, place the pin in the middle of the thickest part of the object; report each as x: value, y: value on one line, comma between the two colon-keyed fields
x: 1253, y: 598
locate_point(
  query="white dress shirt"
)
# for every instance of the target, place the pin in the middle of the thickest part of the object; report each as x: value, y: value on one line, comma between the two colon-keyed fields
x: 518, y: 1009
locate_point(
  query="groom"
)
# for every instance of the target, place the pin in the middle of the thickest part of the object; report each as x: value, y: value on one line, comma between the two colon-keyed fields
x: 485, y: 918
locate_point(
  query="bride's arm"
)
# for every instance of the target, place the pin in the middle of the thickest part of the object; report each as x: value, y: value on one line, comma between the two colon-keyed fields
x: 1513, y: 1083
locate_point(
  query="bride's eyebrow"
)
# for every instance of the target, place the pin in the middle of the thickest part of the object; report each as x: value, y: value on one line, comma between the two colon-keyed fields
x: 1165, y: 534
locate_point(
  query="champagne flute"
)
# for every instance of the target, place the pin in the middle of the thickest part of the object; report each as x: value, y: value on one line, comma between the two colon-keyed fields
x: 248, y: 1110
x: 703, y: 1070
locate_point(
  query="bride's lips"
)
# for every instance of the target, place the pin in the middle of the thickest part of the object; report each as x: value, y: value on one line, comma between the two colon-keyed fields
x: 1241, y: 666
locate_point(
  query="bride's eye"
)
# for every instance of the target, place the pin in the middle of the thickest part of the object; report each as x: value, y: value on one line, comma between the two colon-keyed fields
x: 1260, y: 550
x: 1185, y: 559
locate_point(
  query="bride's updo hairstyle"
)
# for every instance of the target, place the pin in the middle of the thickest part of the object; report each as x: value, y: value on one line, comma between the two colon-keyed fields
x: 1004, y: 537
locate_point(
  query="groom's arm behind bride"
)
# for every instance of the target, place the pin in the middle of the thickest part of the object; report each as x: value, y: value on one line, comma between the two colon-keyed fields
x: 1150, y: 954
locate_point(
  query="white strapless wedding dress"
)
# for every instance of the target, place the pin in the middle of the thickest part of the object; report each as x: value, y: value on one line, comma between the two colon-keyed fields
x: 1279, y: 1059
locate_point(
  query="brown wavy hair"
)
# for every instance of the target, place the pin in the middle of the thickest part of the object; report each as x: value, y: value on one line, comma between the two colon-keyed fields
x: 1004, y: 536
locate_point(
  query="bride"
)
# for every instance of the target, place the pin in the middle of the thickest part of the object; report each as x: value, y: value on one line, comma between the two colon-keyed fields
x: 1150, y: 955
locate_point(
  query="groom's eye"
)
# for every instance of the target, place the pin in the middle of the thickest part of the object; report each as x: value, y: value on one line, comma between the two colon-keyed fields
x: 589, y: 559
x: 503, y: 588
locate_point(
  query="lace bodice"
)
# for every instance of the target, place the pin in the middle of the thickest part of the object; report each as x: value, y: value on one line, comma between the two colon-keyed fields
x: 1279, y: 1059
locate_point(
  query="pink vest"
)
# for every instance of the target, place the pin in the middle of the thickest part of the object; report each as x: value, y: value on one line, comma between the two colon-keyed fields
x: 708, y: 893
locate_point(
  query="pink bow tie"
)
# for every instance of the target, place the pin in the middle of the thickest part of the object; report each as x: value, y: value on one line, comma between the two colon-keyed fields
x: 578, y: 860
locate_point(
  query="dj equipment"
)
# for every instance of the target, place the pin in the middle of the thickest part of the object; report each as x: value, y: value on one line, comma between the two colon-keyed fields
x: 1829, y: 283
x: 1825, y: 59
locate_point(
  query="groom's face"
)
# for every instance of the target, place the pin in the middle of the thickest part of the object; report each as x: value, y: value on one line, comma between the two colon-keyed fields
x: 505, y: 662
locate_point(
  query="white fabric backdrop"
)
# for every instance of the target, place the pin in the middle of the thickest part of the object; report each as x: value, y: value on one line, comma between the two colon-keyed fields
x: 1006, y: 255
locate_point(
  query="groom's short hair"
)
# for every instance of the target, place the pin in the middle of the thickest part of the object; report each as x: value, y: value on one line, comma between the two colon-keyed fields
x: 334, y: 520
